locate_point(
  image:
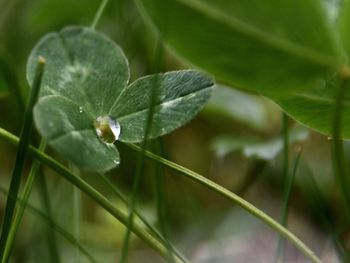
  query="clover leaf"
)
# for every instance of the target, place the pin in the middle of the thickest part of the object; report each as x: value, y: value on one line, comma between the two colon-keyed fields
x: 85, y: 102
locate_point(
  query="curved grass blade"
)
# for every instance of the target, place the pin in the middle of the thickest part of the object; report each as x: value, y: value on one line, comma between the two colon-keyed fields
x: 147, y: 237
x: 232, y: 197
x: 152, y: 229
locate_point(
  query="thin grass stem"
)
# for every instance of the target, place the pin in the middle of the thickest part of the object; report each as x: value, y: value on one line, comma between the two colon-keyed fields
x: 139, y: 217
x: 141, y: 160
x: 20, y: 209
x: 339, y: 163
x: 145, y: 235
x: 46, y: 204
x: 52, y: 224
x: 138, y: 230
x: 98, y: 14
x: 284, y: 214
x: 20, y: 158
x: 232, y: 197
x: 161, y: 203
x: 76, y: 213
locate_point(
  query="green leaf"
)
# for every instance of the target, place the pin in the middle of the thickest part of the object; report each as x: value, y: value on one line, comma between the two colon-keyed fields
x: 86, y: 84
x: 181, y: 94
x: 286, y: 50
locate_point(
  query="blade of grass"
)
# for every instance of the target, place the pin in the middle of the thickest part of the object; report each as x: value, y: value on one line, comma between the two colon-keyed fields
x: 254, y: 173
x: 141, y: 161
x: 285, y: 176
x: 324, y: 214
x: 230, y: 196
x: 131, y: 208
x: 161, y: 203
x: 46, y: 204
x: 153, y: 230
x: 76, y: 213
x: 339, y: 163
x: 20, y: 210
x: 146, y: 236
x: 98, y: 14
x: 20, y: 158
x: 35, y: 211
x: 289, y: 180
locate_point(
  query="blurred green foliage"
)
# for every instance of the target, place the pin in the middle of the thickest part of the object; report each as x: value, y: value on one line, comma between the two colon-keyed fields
x: 202, y: 225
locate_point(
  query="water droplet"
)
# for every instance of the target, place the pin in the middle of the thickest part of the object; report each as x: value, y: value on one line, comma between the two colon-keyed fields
x: 107, y: 129
x: 81, y: 109
x: 117, y: 162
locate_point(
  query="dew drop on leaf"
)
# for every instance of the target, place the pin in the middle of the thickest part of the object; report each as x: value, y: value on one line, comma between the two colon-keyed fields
x: 107, y: 129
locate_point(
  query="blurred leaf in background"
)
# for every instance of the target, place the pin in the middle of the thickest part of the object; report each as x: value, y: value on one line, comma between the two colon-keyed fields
x: 253, y: 111
x: 288, y: 50
x: 259, y: 148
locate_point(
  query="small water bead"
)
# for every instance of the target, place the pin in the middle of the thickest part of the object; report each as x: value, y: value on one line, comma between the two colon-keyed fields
x: 107, y: 129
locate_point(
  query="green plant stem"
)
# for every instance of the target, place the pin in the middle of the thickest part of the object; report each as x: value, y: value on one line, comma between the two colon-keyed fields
x: 98, y: 14
x: 20, y: 158
x: 76, y: 213
x: 285, y: 178
x: 35, y: 211
x: 153, y: 230
x: 141, y: 161
x: 20, y: 210
x: 284, y: 214
x: 46, y: 204
x: 339, y: 162
x: 144, y: 235
x: 150, y: 239
x: 254, y: 173
x: 324, y: 214
x: 161, y: 203
x: 232, y: 197
x: 131, y: 207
